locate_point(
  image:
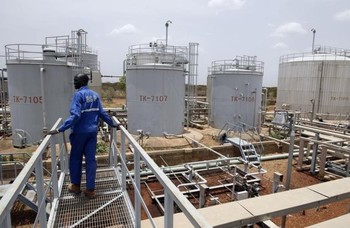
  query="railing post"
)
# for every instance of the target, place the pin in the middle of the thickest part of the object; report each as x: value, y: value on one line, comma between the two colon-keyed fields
x: 115, y: 154
x: 64, y: 154
x: 123, y: 158
x: 7, y: 221
x: 138, y: 186
x: 54, y: 168
x: 301, y: 154
x: 322, y: 164
x: 112, y: 153
x: 168, y: 210
x: 39, y: 176
x: 1, y: 174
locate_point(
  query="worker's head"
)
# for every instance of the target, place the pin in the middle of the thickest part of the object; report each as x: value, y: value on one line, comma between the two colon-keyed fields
x: 80, y: 80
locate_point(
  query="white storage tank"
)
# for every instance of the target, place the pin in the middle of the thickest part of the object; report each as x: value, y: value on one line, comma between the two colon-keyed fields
x: 40, y: 83
x: 317, y: 82
x: 39, y: 93
x: 234, y: 91
x: 155, y: 87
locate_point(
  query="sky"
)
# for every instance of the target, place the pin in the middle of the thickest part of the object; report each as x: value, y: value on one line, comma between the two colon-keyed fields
x: 224, y: 29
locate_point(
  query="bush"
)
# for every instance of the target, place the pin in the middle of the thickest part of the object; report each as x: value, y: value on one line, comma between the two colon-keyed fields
x: 101, y: 148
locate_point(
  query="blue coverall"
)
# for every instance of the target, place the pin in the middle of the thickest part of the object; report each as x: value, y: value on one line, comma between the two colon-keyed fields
x: 85, y: 110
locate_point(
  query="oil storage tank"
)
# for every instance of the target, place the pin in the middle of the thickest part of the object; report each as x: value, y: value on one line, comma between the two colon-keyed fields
x: 155, y: 87
x: 40, y: 83
x: 234, y: 91
x: 315, y: 82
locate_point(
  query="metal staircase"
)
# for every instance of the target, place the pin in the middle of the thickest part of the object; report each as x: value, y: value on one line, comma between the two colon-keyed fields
x: 238, y: 135
x: 247, y: 150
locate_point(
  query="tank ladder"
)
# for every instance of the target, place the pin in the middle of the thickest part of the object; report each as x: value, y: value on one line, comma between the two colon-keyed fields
x: 247, y: 150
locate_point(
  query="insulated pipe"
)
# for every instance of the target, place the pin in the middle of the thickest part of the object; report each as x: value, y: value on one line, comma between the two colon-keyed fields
x: 280, y: 141
x: 313, y: 129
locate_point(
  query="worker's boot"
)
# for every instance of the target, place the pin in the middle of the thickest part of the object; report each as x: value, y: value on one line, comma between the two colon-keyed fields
x: 90, y: 193
x: 73, y: 188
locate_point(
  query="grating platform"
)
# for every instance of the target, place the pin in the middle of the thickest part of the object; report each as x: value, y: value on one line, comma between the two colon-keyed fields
x: 109, y: 209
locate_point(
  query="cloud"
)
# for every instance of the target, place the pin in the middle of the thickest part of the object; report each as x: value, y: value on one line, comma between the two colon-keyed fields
x: 280, y: 45
x: 289, y: 28
x: 343, y: 16
x: 126, y: 29
x: 222, y: 5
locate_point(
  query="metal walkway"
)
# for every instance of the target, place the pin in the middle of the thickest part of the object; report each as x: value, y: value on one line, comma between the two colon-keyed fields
x: 109, y: 209
x: 112, y: 207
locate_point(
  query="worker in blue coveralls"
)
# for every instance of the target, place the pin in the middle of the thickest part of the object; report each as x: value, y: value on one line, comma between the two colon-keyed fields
x: 85, y: 111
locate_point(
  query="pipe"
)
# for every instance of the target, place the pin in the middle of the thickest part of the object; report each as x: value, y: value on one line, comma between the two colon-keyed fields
x: 197, y: 125
x: 3, y: 96
x: 313, y: 129
x: 208, y: 148
x: 42, y: 69
x: 203, y: 181
x: 278, y: 140
x: 213, y: 163
x: 313, y: 40
x: 166, y: 32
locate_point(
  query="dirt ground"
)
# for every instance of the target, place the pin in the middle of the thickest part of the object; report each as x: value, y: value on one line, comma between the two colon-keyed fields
x: 299, y: 179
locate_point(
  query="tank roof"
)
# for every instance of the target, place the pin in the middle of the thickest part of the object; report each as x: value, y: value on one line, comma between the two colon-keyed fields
x: 319, y: 54
x: 240, y: 64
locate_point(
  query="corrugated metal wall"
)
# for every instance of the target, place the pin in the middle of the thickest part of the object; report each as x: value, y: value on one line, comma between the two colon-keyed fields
x: 327, y: 82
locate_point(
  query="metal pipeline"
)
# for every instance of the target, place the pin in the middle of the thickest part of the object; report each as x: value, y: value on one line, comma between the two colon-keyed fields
x: 205, y: 165
x: 278, y: 140
x: 203, y: 181
x: 42, y: 69
x: 321, y: 131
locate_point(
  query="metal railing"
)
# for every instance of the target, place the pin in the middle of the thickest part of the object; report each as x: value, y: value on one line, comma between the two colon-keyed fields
x: 157, y: 53
x: 11, y: 160
x: 47, y: 192
x: 238, y: 64
x: 171, y: 192
x: 117, y: 158
x: 320, y: 53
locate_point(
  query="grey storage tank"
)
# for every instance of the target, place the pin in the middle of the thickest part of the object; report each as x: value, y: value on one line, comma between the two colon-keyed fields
x: 155, y: 87
x: 234, y: 91
x: 40, y: 83
x: 315, y: 82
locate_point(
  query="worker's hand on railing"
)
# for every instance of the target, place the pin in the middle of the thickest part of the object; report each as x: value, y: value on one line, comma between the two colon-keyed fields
x: 53, y: 132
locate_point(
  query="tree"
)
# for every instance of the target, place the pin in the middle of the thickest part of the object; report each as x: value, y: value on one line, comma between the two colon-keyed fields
x: 122, y: 84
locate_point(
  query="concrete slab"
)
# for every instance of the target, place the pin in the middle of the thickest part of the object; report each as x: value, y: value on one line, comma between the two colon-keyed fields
x: 269, y: 206
x: 339, y: 222
x: 263, y: 208
x: 214, y: 215
x: 336, y: 188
